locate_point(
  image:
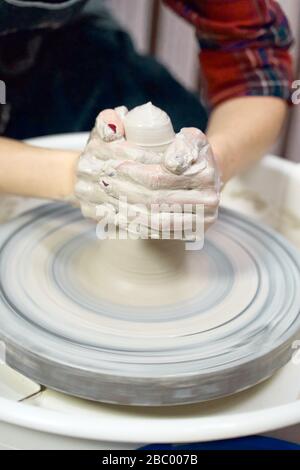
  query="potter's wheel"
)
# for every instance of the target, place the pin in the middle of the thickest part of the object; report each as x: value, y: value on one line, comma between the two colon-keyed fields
x: 229, y: 324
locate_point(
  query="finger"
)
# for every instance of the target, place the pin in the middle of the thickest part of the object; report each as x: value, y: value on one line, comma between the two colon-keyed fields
x: 90, y: 167
x: 110, y: 125
x: 137, y: 194
x: 128, y: 151
x: 97, y: 211
x: 120, y: 150
x: 91, y: 192
x: 155, y: 176
x: 189, y: 144
x: 210, y: 220
x: 206, y: 197
x: 88, y: 210
x: 121, y: 112
x: 160, y: 222
x: 162, y: 225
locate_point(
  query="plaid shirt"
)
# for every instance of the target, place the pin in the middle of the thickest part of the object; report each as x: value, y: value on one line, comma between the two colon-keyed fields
x: 244, y: 47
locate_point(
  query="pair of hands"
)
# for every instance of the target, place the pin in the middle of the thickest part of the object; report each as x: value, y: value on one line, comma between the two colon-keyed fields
x: 112, y: 169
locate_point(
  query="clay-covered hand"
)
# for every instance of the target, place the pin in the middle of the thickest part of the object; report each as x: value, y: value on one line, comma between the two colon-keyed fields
x: 176, y: 181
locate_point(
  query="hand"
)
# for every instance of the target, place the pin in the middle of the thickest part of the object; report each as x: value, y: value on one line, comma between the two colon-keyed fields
x: 112, y: 169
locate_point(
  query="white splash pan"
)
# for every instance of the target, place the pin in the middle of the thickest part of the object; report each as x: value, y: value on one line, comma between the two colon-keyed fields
x: 48, y: 419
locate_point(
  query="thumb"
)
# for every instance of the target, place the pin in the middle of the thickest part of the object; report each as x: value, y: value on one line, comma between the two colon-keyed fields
x: 109, y: 125
x: 184, y: 154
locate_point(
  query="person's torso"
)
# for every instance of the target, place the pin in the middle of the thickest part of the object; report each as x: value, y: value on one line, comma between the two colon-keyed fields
x: 24, y: 24
x: 27, y: 15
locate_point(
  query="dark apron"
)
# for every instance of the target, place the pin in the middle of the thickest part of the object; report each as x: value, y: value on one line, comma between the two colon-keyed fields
x: 62, y: 65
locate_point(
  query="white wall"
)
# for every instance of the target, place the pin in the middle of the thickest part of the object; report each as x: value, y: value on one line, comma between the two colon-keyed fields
x: 136, y: 17
x: 177, y: 47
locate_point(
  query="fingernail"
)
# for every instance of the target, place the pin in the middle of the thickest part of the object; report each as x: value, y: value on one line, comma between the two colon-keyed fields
x: 104, y: 183
x: 113, y: 127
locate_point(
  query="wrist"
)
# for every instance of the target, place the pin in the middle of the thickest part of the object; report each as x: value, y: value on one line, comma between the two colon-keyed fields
x: 57, y: 174
x: 223, y: 157
x: 68, y: 168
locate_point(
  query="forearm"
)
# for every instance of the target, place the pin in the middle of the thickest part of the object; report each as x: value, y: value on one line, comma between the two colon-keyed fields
x: 242, y: 130
x: 26, y: 170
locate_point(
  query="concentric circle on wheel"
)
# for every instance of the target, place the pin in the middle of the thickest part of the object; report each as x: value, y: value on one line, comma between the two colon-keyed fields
x: 232, y: 331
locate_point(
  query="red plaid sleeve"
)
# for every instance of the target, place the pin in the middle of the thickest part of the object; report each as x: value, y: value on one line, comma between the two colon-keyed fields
x: 244, y: 47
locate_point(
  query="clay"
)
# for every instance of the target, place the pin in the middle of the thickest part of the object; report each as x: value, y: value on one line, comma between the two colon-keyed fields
x: 149, y: 126
x: 142, y: 161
